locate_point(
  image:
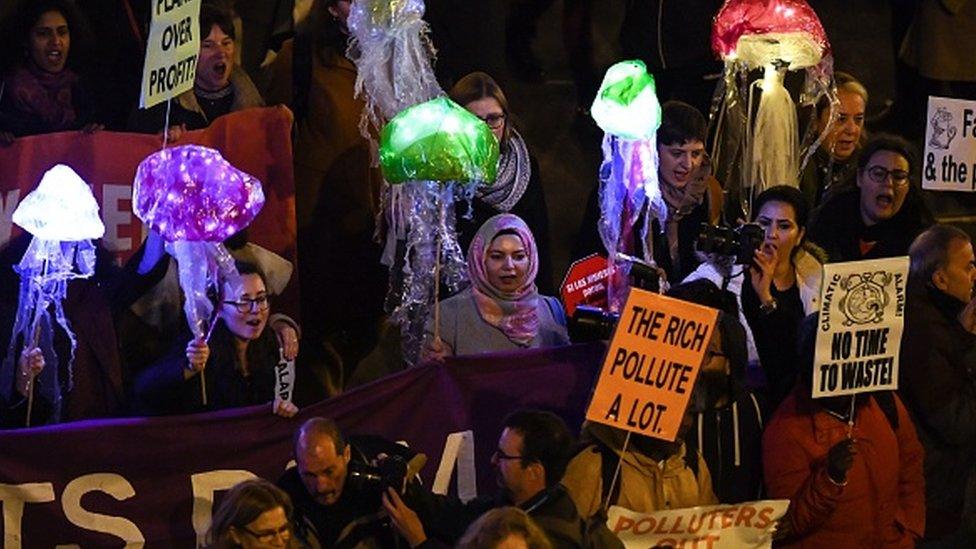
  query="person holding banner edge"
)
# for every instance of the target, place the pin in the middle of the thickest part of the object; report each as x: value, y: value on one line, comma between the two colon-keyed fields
x: 502, y: 310
x: 245, y: 353
x: 45, y: 91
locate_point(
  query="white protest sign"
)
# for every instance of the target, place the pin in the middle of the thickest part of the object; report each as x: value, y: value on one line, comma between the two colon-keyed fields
x: 171, y: 52
x: 862, y: 308
x: 740, y: 526
x: 284, y: 377
x: 950, y: 145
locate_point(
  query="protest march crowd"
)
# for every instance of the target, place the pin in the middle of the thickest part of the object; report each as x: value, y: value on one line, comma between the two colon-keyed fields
x: 724, y: 225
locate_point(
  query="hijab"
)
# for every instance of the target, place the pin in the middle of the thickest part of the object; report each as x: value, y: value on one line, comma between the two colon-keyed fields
x: 514, y: 313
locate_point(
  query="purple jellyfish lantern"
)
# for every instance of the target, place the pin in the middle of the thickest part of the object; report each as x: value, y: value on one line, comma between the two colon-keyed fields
x: 195, y: 200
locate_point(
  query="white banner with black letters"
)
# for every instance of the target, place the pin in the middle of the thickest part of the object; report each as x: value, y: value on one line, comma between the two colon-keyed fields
x: 862, y: 310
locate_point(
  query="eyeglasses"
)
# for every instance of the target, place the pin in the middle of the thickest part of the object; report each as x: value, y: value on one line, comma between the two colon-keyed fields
x: 501, y: 456
x: 266, y: 536
x: 260, y: 303
x: 494, y: 121
x: 899, y: 178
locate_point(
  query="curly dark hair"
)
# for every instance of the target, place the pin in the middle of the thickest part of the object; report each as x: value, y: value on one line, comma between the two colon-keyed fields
x: 14, y: 33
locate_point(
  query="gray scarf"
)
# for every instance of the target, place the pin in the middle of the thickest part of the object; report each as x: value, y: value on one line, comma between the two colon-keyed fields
x: 514, y: 172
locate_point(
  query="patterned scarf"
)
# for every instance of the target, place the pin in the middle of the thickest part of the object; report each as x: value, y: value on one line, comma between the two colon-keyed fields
x: 514, y: 172
x: 514, y: 313
x: 681, y: 202
x: 44, y: 95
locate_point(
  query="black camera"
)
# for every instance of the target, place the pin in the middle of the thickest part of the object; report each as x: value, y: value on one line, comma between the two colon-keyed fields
x: 370, y: 481
x: 591, y: 324
x: 740, y: 243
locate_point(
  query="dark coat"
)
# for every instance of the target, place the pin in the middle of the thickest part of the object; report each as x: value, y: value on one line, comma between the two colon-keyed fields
x: 22, y: 123
x: 838, y: 228
x: 730, y: 440
x: 318, y: 525
x: 161, y: 388
x: 938, y: 383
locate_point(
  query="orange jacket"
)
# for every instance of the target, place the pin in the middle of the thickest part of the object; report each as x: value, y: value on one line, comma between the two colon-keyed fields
x: 883, y: 502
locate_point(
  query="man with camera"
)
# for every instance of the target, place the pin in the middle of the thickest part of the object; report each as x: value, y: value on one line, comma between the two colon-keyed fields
x: 337, y: 485
x: 533, y: 451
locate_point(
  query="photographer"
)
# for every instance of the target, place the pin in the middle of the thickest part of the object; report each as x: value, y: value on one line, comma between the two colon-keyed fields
x: 533, y: 450
x: 337, y: 485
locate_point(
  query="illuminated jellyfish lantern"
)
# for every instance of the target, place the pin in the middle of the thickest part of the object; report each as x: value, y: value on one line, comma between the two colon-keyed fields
x: 62, y: 215
x: 391, y: 48
x: 775, y: 36
x: 627, y: 109
x: 195, y: 200
x: 437, y: 152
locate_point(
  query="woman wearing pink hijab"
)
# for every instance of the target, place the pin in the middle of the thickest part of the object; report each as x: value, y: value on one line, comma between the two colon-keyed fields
x: 501, y: 310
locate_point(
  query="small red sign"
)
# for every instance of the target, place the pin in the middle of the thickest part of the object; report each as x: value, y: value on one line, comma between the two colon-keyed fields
x: 585, y: 284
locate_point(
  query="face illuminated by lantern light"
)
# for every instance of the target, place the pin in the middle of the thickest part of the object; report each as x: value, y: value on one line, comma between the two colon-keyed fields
x: 49, y: 42
x: 680, y: 161
x: 845, y: 134
x: 507, y: 263
x: 216, y: 60
x: 245, y: 306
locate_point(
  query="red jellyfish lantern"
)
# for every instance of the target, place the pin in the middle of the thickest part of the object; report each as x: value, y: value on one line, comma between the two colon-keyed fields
x: 775, y: 36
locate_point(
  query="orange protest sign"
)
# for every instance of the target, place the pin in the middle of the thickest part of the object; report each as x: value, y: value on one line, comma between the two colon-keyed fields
x: 652, y: 364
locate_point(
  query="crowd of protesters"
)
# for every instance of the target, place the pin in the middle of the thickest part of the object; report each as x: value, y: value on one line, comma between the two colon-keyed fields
x: 889, y: 468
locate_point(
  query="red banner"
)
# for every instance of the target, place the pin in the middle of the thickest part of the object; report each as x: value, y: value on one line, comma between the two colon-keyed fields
x: 108, y: 482
x: 257, y: 141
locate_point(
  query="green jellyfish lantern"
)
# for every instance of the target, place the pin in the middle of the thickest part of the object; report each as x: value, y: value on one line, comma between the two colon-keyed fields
x: 438, y: 141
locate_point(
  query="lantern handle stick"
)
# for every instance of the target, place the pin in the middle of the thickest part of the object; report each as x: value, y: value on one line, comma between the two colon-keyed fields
x: 437, y: 273
x: 40, y: 305
x: 616, y: 472
x: 166, y: 124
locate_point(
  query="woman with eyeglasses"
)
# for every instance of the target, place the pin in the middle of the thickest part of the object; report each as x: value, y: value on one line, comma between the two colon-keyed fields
x: 254, y: 514
x: 883, y: 215
x: 518, y: 188
x: 239, y: 358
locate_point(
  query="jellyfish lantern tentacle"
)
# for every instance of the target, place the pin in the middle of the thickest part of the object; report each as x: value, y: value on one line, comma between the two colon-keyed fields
x: 62, y: 215
x: 627, y: 109
x: 775, y: 36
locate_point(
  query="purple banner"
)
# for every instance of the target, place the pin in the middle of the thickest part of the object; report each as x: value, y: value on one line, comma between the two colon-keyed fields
x: 122, y: 482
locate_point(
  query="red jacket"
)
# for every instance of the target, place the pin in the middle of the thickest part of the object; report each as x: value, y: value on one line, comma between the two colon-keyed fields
x: 883, y: 502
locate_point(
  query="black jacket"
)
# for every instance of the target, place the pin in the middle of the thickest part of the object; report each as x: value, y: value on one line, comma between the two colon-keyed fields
x: 838, y: 228
x: 552, y: 509
x: 161, y: 389
x: 937, y: 380
x: 730, y: 440
x: 318, y: 525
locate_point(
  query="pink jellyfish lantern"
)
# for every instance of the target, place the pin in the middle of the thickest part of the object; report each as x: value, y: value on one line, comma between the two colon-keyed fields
x: 774, y: 36
x: 195, y: 200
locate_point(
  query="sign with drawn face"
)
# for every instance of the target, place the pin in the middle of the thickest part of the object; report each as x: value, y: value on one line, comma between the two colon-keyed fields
x: 950, y: 145
x: 862, y: 310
